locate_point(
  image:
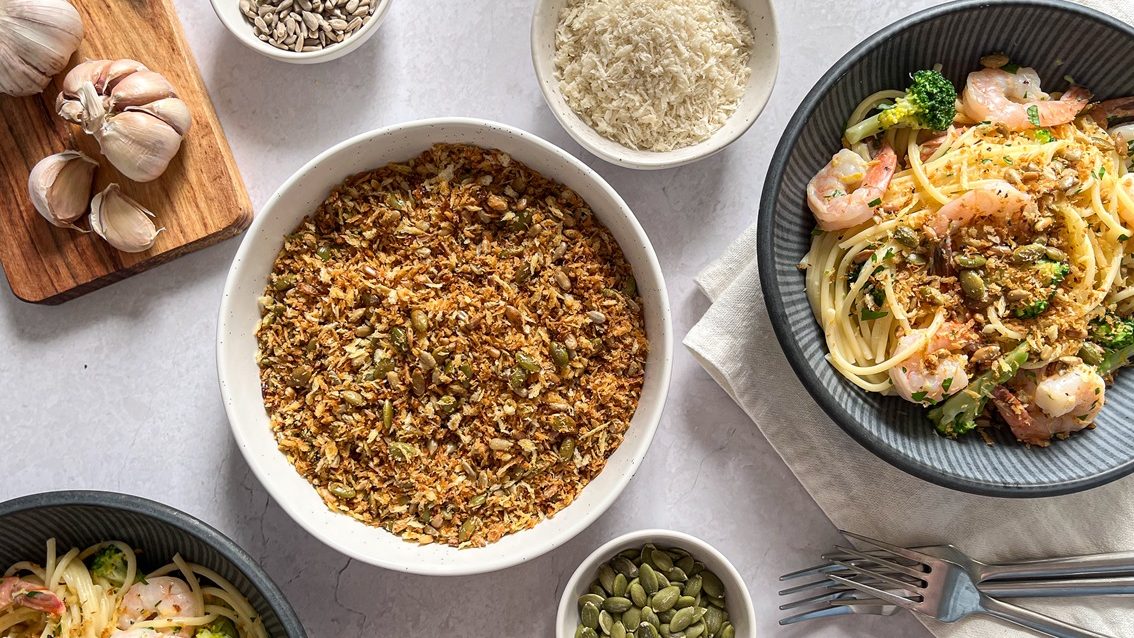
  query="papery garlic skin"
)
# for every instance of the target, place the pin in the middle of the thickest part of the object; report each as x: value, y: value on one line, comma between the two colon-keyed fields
x: 37, y: 39
x: 133, y: 113
x: 122, y: 222
x: 59, y: 186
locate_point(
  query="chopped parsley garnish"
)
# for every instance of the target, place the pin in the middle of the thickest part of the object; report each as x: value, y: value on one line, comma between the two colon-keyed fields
x: 919, y: 396
x: 1102, y: 172
x: 1007, y: 160
x: 871, y: 315
x: 1123, y: 237
x: 1043, y: 135
x: 876, y: 202
x: 815, y: 232
x: 1011, y: 68
x: 946, y: 383
x: 1033, y: 115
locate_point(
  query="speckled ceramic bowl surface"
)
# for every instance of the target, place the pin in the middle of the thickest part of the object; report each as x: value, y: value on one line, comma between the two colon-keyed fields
x: 1059, y: 39
x: 85, y: 518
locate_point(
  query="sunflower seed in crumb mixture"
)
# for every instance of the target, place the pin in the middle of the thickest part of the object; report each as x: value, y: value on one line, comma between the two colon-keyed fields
x: 452, y: 347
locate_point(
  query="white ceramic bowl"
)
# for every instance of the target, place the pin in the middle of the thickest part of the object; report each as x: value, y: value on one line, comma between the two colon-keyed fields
x: 764, y: 63
x: 240, y: 380
x: 229, y: 13
x: 741, y: 612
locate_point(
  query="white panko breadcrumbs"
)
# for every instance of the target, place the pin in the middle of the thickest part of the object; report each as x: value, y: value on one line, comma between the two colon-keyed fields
x: 653, y: 74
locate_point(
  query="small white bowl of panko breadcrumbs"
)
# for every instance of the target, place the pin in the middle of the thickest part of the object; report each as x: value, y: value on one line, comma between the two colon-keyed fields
x: 652, y: 84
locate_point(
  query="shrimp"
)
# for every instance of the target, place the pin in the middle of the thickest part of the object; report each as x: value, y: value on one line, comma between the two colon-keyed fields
x: 141, y: 632
x: 1056, y: 404
x: 160, y: 597
x: 1117, y: 108
x: 997, y: 199
x: 19, y: 592
x: 937, y: 370
x: 832, y: 199
x: 1016, y: 101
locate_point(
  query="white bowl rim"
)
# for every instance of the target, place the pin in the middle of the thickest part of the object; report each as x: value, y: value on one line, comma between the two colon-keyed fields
x: 340, y: 49
x: 665, y: 351
x: 690, y: 543
x: 651, y: 160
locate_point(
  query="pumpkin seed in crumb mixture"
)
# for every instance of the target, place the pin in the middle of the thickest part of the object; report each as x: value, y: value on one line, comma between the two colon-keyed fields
x: 451, y: 348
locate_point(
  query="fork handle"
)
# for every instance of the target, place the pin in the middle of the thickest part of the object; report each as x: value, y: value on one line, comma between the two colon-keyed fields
x: 1058, y: 588
x: 1037, y: 622
x: 1111, y: 564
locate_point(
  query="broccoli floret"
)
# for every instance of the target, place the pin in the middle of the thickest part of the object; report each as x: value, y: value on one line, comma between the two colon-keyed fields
x: 957, y: 415
x: 930, y: 103
x: 220, y: 628
x: 109, y: 563
x: 1050, y: 274
x: 1112, y: 332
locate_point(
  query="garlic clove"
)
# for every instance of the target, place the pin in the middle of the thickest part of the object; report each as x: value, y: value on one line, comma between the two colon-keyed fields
x: 171, y: 110
x: 59, y: 186
x: 138, y: 144
x: 122, y: 222
x: 40, y: 36
x: 140, y: 88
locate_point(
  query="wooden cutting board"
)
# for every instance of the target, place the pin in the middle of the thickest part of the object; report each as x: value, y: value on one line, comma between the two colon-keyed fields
x: 200, y: 199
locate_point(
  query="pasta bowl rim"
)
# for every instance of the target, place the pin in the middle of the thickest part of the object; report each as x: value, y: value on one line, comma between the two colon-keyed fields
x: 240, y: 381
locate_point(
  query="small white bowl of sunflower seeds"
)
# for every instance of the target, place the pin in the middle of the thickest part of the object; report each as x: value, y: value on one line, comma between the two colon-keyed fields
x: 302, y: 31
x: 656, y: 582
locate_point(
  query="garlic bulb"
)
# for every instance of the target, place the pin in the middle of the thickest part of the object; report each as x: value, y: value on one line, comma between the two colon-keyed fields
x: 37, y: 38
x: 134, y: 114
x: 59, y: 186
x: 122, y: 222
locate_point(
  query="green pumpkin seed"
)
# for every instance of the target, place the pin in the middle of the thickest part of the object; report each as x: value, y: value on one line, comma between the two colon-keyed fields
x: 1029, y: 253
x: 649, y: 579
x: 323, y: 252
x: 522, y: 276
x: 527, y: 361
x: 585, y: 632
x: 467, y: 528
x: 563, y: 423
x: 666, y: 616
x: 623, y: 566
x: 666, y: 598
x: 972, y: 285
x: 383, y: 365
x: 284, y: 282
x: 620, y: 585
x: 388, y: 414
x: 906, y: 236
x: 593, y: 599
x: 559, y: 354
x: 629, y: 554
x: 605, y: 622
x: 916, y: 259
x: 597, y: 589
x: 301, y: 376
x: 617, y: 604
x: 694, y: 631
x: 712, y: 585
x: 352, y: 398
x: 686, y: 564
x: 661, y: 561
x: 566, y: 453
x: 663, y: 582
x: 418, y: 383
x: 618, y: 630
x: 479, y: 500
x: 632, y: 617
x: 728, y: 632
x: 342, y: 491
x: 684, y: 602
x: 606, y: 577
x: 717, y: 602
x: 692, y: 586
x: 650, y: 616
x: 588, y: 615
x: 399, y: 340
x: 518, y: 378
x: 638, y: 595
x: 1091, y: 354
x: 447, y: 404
x: 1054, y: 254
x: 682, y: 619
x: 676, y: 575
x: 646, y: 630
x: 664, y: 632
x: 714, y: 620
x: 970, y: 261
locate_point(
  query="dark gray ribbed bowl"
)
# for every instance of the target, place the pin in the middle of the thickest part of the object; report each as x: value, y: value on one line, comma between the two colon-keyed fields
x: 1058, y: 39
x: 83, y: 518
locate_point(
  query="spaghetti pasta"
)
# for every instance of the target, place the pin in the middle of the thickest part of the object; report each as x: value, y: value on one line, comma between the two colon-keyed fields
x: 997, y: 245
x: 100, y: 592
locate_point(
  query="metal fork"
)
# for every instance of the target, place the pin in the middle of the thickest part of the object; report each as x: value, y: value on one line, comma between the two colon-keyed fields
x: 938, y: 588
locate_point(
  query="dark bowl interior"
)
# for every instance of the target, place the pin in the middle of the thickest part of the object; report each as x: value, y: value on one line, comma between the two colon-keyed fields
x: 82, y: 519
x: 1059, y: 39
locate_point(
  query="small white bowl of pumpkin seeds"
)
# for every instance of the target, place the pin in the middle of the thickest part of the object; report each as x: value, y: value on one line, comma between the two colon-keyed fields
x: 656, y: 583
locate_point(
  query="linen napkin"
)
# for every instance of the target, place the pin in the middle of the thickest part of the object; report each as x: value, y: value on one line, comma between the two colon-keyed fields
x: 734, y: 342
